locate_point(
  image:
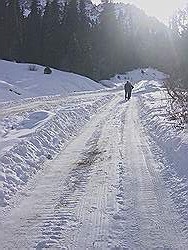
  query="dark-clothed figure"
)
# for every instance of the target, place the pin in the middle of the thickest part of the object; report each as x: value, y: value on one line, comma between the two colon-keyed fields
x: 128, y: 89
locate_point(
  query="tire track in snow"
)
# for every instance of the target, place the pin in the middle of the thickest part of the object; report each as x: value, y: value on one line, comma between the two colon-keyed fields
x: 146, y: 218
x: 124, y: 225
x: 74, y: 186
x: 106, y: 196
x: 130, y: 212
x: 36, y: 219
x: 25, y: 156
x: 73, y: 205
x: 48, y: 102
x: 168, y: 153
x: 98, y: 204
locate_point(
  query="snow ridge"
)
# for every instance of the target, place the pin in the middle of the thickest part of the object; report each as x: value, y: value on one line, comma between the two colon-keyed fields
x: 169, y: 145
x: 51, y: 134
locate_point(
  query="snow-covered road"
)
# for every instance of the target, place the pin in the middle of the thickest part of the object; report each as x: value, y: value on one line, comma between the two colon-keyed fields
x: 103, y: 191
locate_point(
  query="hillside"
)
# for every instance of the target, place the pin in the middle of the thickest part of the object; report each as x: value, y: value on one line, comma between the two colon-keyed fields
x: 134, y: 76
x: 97, y: 41
x: 17, y: 81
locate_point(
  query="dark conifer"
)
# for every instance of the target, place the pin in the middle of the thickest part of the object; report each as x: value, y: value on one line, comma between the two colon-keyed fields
x: 51, y: 38
x: 33, y: 34
x: 3, y: 29
x: 11, y: 22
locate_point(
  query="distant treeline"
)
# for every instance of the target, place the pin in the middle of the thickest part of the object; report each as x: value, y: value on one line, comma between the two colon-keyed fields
x: 63, y: 36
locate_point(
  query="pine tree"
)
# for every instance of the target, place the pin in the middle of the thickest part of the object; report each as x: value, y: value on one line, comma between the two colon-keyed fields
x: 33, y: 34
x: 76, y: 36
x: 69, y: 28
x: 3, y: 29
x: 106, y: 42
x: 15, y: 29
x: 84, y: 36
x: 51, y: 34
x: 11, y: 29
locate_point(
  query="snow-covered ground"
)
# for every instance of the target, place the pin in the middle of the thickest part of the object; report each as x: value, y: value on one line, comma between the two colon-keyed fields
x: 35, y: 133
x: 134, y: 76
x: 168, y: 141
x: 17, y: 82
x: 91, y: 171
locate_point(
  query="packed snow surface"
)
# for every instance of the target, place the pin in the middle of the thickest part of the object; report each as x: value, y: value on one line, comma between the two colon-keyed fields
x: 30, y: 137
x: 93, y: 171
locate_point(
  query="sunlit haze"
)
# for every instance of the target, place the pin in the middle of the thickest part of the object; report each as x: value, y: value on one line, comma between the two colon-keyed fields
x: 162, y: 9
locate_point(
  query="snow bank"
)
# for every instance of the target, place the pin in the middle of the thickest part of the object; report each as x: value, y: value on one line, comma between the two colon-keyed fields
x: 168, y: 141
x: 18, y: 82
x: 174, y: 140
x: 30, y: 139
x: 134, y: 76
x: 27, y: 139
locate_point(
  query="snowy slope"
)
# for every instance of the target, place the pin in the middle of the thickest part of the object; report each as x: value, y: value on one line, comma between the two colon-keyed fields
x: 135, y: 76
x: 18, y: 82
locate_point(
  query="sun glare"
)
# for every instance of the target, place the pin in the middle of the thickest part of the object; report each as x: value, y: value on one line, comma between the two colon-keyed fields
x: 162, y: 9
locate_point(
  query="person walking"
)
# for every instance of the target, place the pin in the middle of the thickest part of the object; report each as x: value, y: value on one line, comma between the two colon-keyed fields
x: 128, y: 90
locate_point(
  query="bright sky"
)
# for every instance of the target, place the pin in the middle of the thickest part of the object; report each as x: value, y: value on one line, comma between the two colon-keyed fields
x: 161, y: 9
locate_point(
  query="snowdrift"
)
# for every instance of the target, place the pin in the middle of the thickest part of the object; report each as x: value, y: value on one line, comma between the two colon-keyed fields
x: 18, y: 81
x: 36, y: 132
x: 134, y: 76
x: 168, y: 142
x: 32, y: 138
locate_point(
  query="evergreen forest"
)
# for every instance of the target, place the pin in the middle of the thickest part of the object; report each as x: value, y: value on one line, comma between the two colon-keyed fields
x: 95, y: 41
